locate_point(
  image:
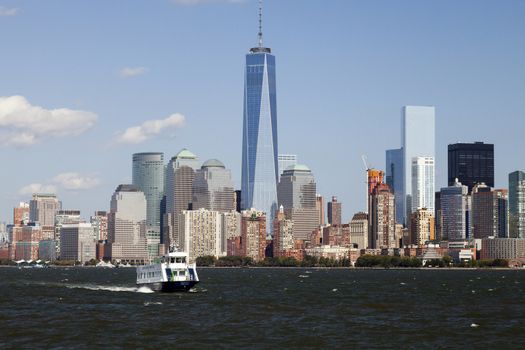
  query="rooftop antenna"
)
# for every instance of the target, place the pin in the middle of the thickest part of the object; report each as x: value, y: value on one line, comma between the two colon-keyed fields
x: 260, y: 25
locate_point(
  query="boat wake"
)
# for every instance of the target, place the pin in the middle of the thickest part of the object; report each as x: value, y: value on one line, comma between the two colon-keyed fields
x: 142, y: 289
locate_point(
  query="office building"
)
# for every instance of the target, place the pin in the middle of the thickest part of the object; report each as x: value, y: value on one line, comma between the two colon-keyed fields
x: 148, y: 177
x: 359, y: 231
x: 455, y: 212
x: 99, y: 221
x: 297, y: 195
x: 471, y: 164
x: 334, y: 211
x: 394, y: 178
x: 68, y: 216
x: 43, y: 207
x: 21, y: 214
x: 423, y: 183
x: 285, y: 161
x: 503, y: 248
x: 127, y: 226
x: 213, y: 187
x: 180, y: 174
x: 260, y: 169
x: 77, y: 242
x: 517, y: 204
x: 418, y: 135
x: 489, y: 212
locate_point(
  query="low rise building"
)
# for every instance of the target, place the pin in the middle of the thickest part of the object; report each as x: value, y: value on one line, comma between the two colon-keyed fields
x: 503, y: 248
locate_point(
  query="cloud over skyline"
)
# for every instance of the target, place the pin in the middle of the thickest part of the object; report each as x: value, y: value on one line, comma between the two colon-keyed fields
x: 36, y: 188
x: 129, y: 72
x: 149, y: 129
x: 22, y: 124
x: 5, y: 11
x: 76, y: 181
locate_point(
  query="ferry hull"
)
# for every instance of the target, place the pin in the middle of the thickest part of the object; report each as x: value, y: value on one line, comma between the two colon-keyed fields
x: 170, y: 287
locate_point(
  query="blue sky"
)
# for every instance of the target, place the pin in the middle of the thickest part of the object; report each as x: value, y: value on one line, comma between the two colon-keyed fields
x: 344, y: 70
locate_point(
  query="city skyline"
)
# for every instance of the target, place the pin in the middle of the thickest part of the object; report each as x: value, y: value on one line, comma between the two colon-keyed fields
x: 85, y: 169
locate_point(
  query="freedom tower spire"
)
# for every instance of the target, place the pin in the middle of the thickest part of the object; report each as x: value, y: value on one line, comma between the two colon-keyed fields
x: 259, y: 141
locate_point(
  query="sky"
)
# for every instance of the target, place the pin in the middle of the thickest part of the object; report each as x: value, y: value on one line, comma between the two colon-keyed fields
x: 85, y: 84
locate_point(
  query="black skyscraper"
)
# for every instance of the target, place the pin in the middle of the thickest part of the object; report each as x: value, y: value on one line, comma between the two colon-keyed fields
x: 471, y: 163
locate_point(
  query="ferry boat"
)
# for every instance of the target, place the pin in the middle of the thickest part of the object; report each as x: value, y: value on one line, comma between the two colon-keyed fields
x: 172, y: 274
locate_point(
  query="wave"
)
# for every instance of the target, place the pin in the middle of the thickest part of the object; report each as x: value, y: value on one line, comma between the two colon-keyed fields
x: 142, y: 289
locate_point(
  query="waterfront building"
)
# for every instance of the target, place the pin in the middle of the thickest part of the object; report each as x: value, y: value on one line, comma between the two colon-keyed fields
x: 381, y: 216
x: 455, y: 212
x: 231, y: 232
x: 260, y: 169
x: 359, y: 230
x: 127, y: 226
x: 47, y: 250
x: 489, y: 212
x: 471, y: 164
x: 27, y: 242
x: 283, y: 237
x: 77, y: 242
x: 68, y: 216
x: 423, y: 183
x: 297, y: 194
x: 503, y: 248
x: 418, y: 135
x: 517, y: 204
x: 334, y: 212
x: 213, y: 187
x: 422, y: 227
x: 253, y: 234
x: 180, y: 174
x: 394, y: 178
x: 319, y: 206
x: 201, y: 233
x: 99, y: 221
x: 148, y: 177
x: 285, y: 161
x: 21, y: 214
x: 43, y: 207
x: 328, y: 252
x: 438, y: 217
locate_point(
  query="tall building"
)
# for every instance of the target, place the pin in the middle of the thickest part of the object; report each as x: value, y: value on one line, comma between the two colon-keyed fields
x: 394, y: 178
x: 489, y: 212
x: 285, y: 161
x: 77, y: 242
x: 99, y: 221
x: 471, y: 163
x: 297, y: 195
x: 423, y: 183
x: 180, y: 174
x: 319, y: 206
x: 253, y: 234
x: 127, y: 225
x: 62, y: 217
x: 517, y: 204
x: 418, y: 135
x: 359, y: 230
x: 260, y: 169
x: 21, y: 214
x: 334, y: 212
x: 381, y: 216
x: 43, y: 207
x: 455, y: 212
x: 283, y: 237
x: 422, y: 227
x: 201, y: 233
x: 375, y: 177
x: 231, y: 232
x: 213, y: 187
x: 437, y: 214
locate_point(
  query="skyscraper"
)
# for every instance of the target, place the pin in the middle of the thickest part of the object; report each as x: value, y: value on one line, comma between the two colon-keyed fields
x: 489, y: 212
x: 180, y: 174
x: 260, y: 170
x: 455, y: 212
x: 517, y: 204
x: 422, y: 227
x: 201, y: 233
x: 418, y: 135
x: 297, y: 195
x: 319, y: 205
x: 394, y: 179
x: 471, y: 163
x: 213, y: 187
x: 381, y: 216
x: 423, y: 183
x: 334, y: 212
x: 43, y: 207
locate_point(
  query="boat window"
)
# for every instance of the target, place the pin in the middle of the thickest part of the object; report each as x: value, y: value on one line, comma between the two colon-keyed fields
x: 172, y: 260
x: 179, y: 260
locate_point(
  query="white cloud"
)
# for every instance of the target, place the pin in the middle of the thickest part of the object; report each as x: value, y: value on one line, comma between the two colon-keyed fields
x: 150, y: 128
x: 22, y: 124
x: 76, y: 181
x: 4, y: 11
x: 36, y: 188
x: 129, y: 72
x: 201, y: 2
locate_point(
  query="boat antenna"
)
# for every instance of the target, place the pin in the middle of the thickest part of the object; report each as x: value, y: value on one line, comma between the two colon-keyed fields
x: 260, y: 35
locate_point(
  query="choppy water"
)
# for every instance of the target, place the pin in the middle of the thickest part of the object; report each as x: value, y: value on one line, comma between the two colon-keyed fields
x: 264, y: 308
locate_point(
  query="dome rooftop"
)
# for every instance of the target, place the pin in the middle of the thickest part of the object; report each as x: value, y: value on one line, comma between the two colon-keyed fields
x: 184, y: 153
x: 213, y: 163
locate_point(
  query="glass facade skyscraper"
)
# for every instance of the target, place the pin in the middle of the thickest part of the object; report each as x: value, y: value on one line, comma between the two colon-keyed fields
x: 517, y: 204
x: 471, y: 164
x: 394, y: 179
x: 423, y: 183
x: 418, y: 135
x: 260, y: 168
